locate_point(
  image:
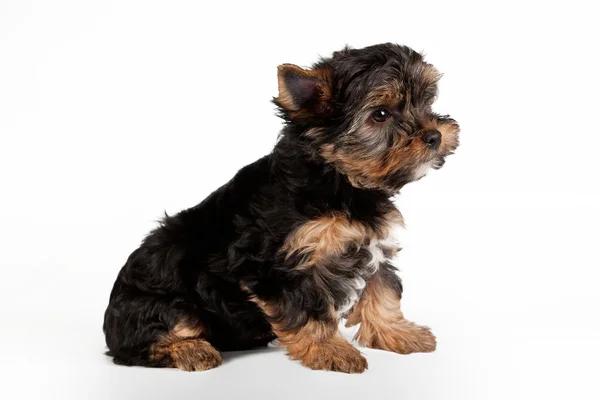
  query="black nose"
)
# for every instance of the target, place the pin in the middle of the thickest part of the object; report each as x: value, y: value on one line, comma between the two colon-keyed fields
x: 432, y: 139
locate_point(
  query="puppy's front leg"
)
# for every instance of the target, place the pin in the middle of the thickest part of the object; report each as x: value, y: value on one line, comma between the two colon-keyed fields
x: 311, y: 334
x: 382, y: 324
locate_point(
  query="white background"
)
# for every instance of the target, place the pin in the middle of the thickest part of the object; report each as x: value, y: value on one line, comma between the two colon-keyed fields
x: 109, y: 109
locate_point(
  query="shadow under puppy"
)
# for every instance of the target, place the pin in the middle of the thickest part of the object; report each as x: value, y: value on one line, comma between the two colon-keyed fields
x: 301, y: 237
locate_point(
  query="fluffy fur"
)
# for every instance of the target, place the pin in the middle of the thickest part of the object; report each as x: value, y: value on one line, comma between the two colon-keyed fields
x: 299, y: 238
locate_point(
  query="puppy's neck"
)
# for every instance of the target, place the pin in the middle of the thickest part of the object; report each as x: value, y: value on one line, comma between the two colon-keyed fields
x: 298, y: 165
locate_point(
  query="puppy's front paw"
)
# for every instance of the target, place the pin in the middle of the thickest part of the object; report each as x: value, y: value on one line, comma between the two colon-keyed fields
x: 403, y: 338
x: 419, y: 340
x: 336, y: 355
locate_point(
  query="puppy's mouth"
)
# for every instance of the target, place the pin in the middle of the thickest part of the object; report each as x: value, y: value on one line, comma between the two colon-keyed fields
x: 438, y: 157
x: 449, y: 142
x: 423, y: 169
x: 438, y: 161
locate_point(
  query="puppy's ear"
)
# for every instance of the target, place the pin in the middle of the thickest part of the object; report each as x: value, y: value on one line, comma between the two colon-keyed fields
x: 304, y: 93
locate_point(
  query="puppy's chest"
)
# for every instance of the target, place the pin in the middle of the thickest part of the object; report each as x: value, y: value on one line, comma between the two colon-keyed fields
x: 365, y: 262
x: 343, y: 253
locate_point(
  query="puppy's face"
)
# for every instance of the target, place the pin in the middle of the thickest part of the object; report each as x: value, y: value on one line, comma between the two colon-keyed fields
x: 368, y: 113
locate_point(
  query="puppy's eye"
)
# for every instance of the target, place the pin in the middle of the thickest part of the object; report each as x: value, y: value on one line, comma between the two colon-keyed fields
x: 381, y: 115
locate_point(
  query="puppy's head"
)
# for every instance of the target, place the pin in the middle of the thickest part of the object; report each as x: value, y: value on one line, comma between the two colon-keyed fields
x: 368, y: 113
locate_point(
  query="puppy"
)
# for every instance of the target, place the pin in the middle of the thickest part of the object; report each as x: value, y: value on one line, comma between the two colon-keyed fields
x: 300, y: 238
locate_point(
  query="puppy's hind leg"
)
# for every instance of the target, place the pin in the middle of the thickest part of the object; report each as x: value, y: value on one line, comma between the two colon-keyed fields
x: 153, y: 331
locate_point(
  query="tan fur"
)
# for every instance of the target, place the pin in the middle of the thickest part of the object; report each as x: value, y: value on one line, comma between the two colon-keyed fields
x: 313, y: 132
x: 318, y: 345
x: 392, y: 219
x: 335, y: 354
x: 430, y: 75
x: 353, y: 166
x: 333, y: 235
x: 326, y: 237
x: 194, y: 355
x: 185, y: 329
x: 370, y: 172
x: 322, y: 78
x: 449, y: 131
x: 383, y: 326
x: 185, y: 347
x: 386, y: 96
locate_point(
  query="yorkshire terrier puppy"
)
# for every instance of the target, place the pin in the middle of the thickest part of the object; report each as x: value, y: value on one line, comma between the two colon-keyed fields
x: 300, y: 238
